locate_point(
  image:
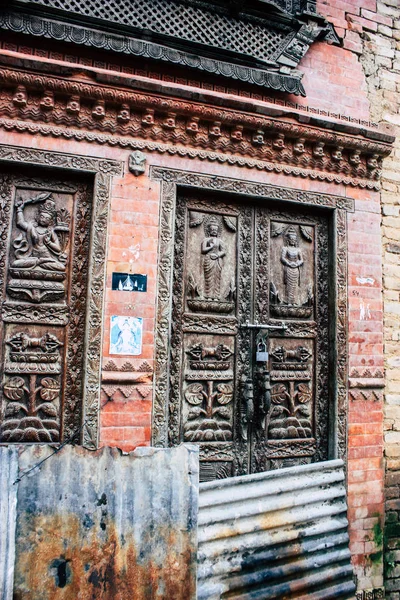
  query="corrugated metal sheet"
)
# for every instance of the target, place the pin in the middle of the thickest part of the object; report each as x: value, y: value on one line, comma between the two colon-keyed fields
x: 275, y: 535
x: 8, y: 503
x: 100, y: 525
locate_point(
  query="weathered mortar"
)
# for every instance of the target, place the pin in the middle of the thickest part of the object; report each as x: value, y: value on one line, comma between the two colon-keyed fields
x: 379, y: 36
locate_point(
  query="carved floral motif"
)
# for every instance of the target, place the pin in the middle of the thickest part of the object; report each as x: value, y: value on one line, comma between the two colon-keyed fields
x: 209, y: 418
x: 32, y: 408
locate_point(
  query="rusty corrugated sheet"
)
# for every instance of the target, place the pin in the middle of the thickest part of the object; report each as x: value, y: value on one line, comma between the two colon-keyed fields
x: 8, y: 502
x: 103, y: 526
x: 275, y: 535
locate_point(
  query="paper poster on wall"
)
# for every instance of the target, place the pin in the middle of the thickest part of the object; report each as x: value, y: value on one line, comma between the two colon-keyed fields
x: 129, y: 282
x: 126, y: 335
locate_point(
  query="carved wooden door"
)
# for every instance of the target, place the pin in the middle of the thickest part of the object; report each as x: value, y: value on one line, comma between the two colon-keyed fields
x: 237, y: 265
x: 44, y: 250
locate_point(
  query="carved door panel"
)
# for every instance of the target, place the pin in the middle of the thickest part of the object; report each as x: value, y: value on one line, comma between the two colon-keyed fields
x: 236, y: 265
x: 45, y: 231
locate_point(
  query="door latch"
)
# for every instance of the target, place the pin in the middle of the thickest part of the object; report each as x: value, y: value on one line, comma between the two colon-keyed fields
x: 278, y: 326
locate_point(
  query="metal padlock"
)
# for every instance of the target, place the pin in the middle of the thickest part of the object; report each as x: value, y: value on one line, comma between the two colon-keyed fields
x: 261, y: 353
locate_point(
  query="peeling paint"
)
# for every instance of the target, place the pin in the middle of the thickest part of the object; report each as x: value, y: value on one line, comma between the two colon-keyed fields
x: 365, y: 280
x: 365, y: 313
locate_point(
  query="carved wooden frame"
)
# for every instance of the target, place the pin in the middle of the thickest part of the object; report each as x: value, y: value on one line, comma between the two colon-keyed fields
x: 336, y: 207
x: 102, y: 170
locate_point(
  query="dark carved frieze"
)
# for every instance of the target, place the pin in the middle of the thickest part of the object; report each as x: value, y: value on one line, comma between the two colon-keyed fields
x: 250, y: 188
x: 168, y: 126
x: 26, y: 313
x: 315, y: 115
x: 59, y: 160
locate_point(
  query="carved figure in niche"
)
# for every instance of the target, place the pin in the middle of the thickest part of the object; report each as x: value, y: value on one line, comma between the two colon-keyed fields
x: 39, y: 247
x: 299, y: 146
x: 20, y: 97
x: 295, y: 303
x: 337, y: 154
x: 372, y: 162
x: 279, y: 142
x: 207, y: 295
x: 292, y: 259
x: 213, y: 250
x: 47, y: 101
x: 318, y: 150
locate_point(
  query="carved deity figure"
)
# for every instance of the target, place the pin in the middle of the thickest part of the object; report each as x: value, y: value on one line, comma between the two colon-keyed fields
x: 39, y: 246
x: 213, y: 250
x: 292, y: 260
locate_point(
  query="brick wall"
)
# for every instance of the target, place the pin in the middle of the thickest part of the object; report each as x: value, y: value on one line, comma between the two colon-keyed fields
x: 371, y: 32
x: 357, y: 80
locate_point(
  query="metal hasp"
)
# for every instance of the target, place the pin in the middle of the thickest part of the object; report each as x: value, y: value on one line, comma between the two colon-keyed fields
x: 280, y: 327
x: 260, y: 43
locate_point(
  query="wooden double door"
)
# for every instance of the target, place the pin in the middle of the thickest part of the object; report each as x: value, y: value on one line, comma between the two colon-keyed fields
x: 250, y: 353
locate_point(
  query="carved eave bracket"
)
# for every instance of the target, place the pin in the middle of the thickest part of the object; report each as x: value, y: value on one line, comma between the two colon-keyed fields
x: 315, y: 28
x: 260, y: 43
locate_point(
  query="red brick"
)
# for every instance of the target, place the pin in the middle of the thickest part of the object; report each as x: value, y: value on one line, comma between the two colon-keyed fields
x: 362, y: 22
x: 353, y: 46
x: 378, y: 18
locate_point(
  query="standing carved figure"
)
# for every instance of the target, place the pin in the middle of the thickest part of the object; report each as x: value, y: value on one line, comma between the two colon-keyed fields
x: 292, y: 260
x: 213, y: 250
x: 39, y: 247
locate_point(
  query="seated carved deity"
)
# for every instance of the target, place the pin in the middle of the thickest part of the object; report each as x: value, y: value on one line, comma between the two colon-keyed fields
x: 39, y: 248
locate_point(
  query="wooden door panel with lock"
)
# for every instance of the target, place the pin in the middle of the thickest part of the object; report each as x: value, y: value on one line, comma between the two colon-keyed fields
x: 252, y: 401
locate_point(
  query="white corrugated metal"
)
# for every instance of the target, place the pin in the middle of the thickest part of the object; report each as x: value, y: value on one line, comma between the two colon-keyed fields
x: 8, y: 505
x: 281, y: 534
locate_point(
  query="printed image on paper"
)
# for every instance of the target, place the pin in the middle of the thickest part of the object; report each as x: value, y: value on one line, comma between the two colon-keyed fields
x: 126, y: 335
